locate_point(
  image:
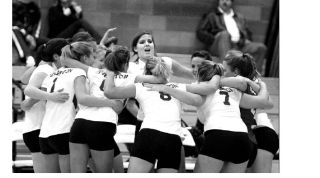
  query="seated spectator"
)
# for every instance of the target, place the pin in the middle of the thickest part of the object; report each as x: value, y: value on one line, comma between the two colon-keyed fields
x: 65, y: 20
x: 26, y: 25
x: 225, y: 29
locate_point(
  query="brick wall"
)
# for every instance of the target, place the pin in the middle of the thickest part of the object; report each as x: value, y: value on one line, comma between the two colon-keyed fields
x: 173, y: 22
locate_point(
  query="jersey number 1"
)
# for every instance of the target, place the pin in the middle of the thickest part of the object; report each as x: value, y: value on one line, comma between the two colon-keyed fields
x: 54, y: 83
x: 226, y: 99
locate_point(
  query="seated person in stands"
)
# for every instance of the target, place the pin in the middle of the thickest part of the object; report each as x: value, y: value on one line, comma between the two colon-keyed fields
x: 65, y: 20
x: 225, y: 29
x: 26, y: 25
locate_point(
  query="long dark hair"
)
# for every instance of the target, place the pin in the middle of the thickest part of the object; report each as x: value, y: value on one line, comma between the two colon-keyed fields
x: 242, y: 62
x: 202, y: 54
x: 117, y: 60
x: 46, y: 51
x: 206, y: 71
x: 82, y: 36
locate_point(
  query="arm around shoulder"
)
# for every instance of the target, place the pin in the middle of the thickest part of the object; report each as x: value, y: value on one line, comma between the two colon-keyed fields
x: 260, y: 101
x: 113, y: 92
x: 205, y: 88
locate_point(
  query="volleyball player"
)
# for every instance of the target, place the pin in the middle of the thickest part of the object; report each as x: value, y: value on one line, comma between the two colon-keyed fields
x: 99, y: 53
x: 226, y: 147
x: 87, y: 117
x: 266, y: 141
x: 144, y: 49
x: 90, y: 126
x: 59, y: 117
x: 157, y: 123
x: 35, y: 109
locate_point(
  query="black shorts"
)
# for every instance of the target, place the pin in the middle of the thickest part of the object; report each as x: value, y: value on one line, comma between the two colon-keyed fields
x: 226, y: 146
x: 55, y: 144
x: 267, y: 139
x: 116, y: 150
x: 97, y: 135
x: 151, y: 144
x: 31, y: 139
x: 125, y: 117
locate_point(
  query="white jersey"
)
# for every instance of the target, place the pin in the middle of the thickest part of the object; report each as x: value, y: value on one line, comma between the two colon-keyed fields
x: 138, y: 68
x: 59, y: 117
x: 221, y: 111
x: 161, y: 111
x: 96, y: 84
x: 34, y: 116
x: 262, y: 119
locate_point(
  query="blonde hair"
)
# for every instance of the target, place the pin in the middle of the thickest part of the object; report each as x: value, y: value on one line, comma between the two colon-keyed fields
x: 77, y: 49
x: 160, y: 69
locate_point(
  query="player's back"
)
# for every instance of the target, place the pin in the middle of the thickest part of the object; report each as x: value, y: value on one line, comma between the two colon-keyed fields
x: 60, y: 116
x: 161, y: 111
x: 221, y: 110
x: 96, y: 79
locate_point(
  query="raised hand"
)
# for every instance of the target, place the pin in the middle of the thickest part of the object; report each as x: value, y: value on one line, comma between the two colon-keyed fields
x: 106, y: 34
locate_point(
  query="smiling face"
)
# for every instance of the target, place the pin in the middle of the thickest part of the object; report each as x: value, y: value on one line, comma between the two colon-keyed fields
x: 145, y: 47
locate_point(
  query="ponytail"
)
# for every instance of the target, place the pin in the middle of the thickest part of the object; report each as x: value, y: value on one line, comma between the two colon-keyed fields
x: 206, y: 71
x: 76, y: 50
x: 46, y: 51
x: 159, y: 69
x: 251, y: 65
x: 243, y: 62
x: 40, y: 55
x: 117, y: 60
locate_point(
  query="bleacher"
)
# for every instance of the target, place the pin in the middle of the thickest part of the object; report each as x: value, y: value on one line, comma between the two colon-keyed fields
x: 22, y: 160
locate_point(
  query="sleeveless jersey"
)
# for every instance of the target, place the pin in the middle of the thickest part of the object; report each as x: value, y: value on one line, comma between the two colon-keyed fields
x: 161, y: 111
x: 34, y: 116
x: 221, y: 111
x: 138, y: 69
x: 96, y: 78
x: 59, y: 117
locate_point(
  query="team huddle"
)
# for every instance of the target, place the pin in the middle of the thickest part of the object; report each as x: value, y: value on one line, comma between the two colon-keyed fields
x: 78, y: 88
